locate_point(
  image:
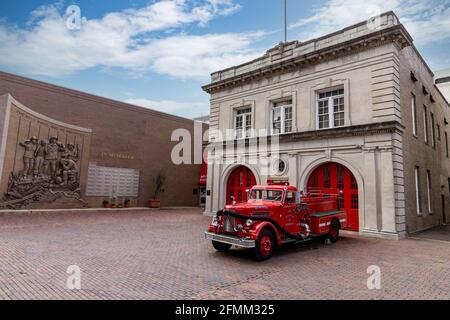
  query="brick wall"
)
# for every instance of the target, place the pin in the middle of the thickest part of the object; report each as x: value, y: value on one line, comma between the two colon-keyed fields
x: 118, y: 128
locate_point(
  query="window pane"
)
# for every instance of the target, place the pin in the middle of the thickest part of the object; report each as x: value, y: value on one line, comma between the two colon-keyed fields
x: 283, y: 103
x: 238, y: 126
x: 245, y: 110
x: 249, y: 178
x: 354, y: 201
x: 316, y: 182
x: 338, y: 109
x: 288, y: 113
x: 339, y: 119
x: 238, y: 122
x: 248, y: 125
x: 324, y: 122
x: 340, y: 177
x: 276, y: 120
x: 288, y: 126
x: 326, y: 178
x: 287, y: 119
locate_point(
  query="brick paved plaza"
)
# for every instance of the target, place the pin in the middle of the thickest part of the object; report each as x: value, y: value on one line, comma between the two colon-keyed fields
x: 162, y: 255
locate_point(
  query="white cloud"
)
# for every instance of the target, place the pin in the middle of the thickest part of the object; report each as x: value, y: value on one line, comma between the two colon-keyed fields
x: 196, y: 56
x: 174, y: 107
x: 130, y: 39
x: 426, y: 20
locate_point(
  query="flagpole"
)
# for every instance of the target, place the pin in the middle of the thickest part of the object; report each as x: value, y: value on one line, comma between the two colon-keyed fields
x: 285, y: 20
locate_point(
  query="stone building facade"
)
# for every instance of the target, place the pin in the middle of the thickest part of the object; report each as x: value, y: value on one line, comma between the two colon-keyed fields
x: 119, y: 149
x: 356, y: 110
x: 442, y: 80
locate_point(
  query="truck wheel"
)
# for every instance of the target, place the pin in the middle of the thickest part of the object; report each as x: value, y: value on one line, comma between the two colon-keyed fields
x: 333, y: 233
x: 264, y: 246
x: 220, y: 246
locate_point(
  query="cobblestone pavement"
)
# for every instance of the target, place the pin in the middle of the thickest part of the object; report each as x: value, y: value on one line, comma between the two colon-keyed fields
x: 162, y: 255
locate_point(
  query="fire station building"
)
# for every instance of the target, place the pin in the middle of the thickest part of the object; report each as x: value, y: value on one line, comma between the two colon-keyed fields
x: 356, y: 110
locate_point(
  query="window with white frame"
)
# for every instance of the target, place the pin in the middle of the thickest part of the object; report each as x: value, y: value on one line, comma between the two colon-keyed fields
x: 429, y: 190
x: 281, y: 117
x: 433, y: 132
x: 330, y: 109
x: 417, y: 181
x: 242, y: 122
x: 414, y: 114
x: 425, y: 124
x: 446, y: 144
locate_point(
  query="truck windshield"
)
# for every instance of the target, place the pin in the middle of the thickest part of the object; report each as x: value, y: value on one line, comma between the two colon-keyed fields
x: 270, y: 195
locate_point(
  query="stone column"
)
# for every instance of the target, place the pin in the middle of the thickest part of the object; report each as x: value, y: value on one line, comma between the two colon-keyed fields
x: 387, y: 191
x: 209, y: 185
x: 216, y: 190
x: 293, y: 170
x: 370, y: 222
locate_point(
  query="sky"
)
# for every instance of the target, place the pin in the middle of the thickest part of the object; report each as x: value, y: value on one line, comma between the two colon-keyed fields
x: 158, y: 54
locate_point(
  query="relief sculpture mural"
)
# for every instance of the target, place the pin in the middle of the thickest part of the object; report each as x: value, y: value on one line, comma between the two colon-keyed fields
x: 49, y: 173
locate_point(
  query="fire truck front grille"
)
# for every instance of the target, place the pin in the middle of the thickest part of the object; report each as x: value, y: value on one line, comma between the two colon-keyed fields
x: 228, y: 224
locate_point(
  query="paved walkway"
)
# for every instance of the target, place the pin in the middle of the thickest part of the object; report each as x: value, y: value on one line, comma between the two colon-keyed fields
x: 162, y: 255
x: 441, y: 233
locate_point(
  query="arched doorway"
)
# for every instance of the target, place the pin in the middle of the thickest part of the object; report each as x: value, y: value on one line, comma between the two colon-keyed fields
x: 240, y: 179
x: 332, y: 177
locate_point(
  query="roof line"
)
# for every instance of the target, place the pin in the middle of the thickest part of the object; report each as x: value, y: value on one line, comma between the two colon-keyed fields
x: 88, y: 96
x: 358, y: 24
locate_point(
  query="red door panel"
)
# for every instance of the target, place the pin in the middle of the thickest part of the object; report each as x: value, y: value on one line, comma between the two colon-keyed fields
x: 239, y: 181
x: 333, y: 177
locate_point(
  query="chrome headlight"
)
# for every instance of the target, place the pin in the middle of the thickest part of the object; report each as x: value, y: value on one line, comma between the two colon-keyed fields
x: 215, y: 221
x: 249, y: 222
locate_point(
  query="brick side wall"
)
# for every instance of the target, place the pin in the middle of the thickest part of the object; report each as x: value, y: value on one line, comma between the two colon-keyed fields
x: 416, y: 152
x: 118, y: 129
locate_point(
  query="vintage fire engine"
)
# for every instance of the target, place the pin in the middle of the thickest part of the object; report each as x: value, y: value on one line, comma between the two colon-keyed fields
x: 274, y: 215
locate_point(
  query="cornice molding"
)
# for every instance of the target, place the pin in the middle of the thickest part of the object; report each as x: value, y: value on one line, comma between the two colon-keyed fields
x: 396, y: 34
x: 348, y: 131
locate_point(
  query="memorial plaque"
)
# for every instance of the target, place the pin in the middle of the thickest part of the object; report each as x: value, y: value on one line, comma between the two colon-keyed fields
x: 43, y: 162
x: 112, y: 182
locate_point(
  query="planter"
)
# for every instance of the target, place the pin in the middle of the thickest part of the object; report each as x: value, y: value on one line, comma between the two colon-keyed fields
x: 153, y: 203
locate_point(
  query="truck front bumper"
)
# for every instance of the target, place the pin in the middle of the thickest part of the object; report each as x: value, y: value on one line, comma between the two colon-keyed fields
x: 238, y: 242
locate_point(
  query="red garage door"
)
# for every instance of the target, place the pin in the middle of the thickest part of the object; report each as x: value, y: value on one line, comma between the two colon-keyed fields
x: 331, y: 177
x: 239, y: 181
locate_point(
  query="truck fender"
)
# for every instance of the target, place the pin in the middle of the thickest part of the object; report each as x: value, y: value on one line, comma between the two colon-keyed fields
x: 271, y: 227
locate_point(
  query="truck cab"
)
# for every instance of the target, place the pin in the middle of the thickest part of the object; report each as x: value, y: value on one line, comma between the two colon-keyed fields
x: 274, y: 215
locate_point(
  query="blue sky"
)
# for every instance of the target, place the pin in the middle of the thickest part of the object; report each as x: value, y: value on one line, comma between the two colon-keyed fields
x: 159, y: 53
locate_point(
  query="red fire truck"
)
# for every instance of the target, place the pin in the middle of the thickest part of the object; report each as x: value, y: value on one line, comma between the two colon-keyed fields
x: 274, y: 215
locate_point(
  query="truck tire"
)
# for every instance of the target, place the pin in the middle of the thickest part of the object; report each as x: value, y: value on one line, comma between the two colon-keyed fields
x: 264, y: 246
x: 333, y: 233
x: 220, y: 246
